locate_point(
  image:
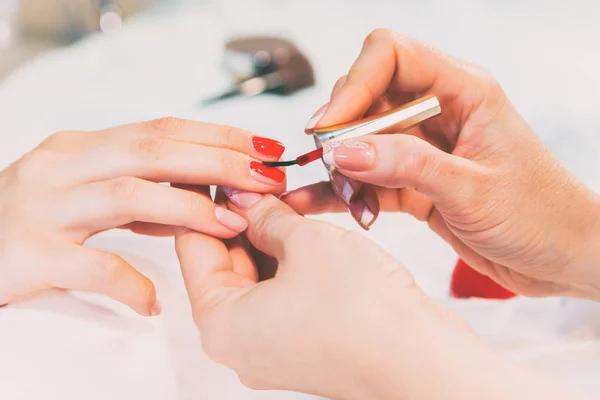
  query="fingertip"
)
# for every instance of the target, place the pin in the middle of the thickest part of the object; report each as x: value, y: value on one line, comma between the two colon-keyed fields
x: 316, y: 118
x: 349, y: 103
x: 156, y: 310
x: 146, y: 302
x: 230, y: 220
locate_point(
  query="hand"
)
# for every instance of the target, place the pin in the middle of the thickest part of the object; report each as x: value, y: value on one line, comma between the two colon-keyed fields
x: 76, y: 184
x: 477, y: 174
x: 341, y: 318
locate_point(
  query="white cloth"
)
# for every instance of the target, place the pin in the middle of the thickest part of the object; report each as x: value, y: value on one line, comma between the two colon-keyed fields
x: 74, y: 346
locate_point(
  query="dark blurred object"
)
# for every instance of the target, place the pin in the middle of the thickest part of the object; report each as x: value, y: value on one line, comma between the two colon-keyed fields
x: 254, y: 56
x: 264, y: 65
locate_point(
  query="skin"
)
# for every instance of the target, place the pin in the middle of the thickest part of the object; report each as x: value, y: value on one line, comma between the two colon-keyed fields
x: 477, y: 174
x: 344, y: 320
x: 77, y: 184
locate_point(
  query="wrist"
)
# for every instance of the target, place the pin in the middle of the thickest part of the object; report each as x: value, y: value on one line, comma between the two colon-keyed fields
x: 583, y: 275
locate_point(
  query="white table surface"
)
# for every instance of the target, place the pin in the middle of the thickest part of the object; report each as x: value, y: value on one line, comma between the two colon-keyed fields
x: 75, y: 346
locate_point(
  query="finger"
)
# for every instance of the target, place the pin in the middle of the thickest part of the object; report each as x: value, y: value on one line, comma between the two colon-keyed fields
x: 398, y: 160
x: 315, y: 118
x: 239, y: 247
x: 103, y: 205
x: 97, y: 271
x: 206, y: 134
x: 165, y: 160
x: 159, y: 230
x: 320, y: 198
x: 338, y: 85
x: 247, y: 260
x: 207, y: 270
x: 360, y: 198
x: 270, y: 221
x: 388, y: 59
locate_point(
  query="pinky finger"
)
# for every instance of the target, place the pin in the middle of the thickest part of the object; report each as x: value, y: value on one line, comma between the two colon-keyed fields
x: 105, y: 273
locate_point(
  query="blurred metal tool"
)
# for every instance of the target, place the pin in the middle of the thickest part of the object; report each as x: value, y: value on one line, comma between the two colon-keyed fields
x: 264, y: 65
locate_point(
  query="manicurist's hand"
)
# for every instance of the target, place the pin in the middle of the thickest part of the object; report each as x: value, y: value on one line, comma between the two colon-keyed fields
x: 477, y: 174
x: 76, y: 184
x: 341, y: 318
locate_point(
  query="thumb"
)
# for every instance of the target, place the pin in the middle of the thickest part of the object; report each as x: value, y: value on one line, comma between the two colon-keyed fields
x: 271, y: 222
x: 398, y: 160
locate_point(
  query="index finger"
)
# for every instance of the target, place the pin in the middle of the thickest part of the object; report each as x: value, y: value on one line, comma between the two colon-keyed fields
x: 206, y: 134
x: 391, y: 61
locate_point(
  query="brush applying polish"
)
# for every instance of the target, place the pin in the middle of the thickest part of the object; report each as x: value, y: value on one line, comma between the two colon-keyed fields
x: 300, y: 160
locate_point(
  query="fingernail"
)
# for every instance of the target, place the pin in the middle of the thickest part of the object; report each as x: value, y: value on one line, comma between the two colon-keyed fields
x: 230, y: 219
x: 344, y: 187
x: 314, y: 120
x: 266, y: 175
x: 360, y: 198
x: 268, y: 147
x: 351, y: 155
x: 365, y: 207
x: 283, y: 195
x: 240, y: 198
x: 156, y: 309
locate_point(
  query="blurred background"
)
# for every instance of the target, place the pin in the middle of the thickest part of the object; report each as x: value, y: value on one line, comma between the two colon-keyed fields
x: 90, y: 64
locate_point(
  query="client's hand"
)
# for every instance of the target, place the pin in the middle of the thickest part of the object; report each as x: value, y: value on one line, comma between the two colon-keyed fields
x: 477, y: 174
x: 76, y: 184
x: 341, y: 318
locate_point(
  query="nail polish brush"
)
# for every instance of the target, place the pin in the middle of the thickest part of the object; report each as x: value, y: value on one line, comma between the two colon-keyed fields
x: 396, y: 120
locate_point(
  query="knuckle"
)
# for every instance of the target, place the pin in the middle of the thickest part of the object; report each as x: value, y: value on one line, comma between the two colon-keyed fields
x: 227, y: 135
x: 268, y: 218
x: 166, y: 126
x: 58, y: 138
x: 123, y: 188
x: 341, y: 80
x: 273, y: 217
x: 32, y: 164
x: 107, y: 267
x: 415, y: 161
x: 227, y: 161
x: 151, y: 146
x: 367, y: 92
x: 377, y: 35
x: 195, y: 203
x: 487, y: 81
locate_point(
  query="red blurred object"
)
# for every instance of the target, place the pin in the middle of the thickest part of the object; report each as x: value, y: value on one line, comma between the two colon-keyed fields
x: 466, y: 282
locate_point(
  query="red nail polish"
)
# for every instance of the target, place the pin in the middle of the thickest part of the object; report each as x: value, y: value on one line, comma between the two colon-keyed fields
x: 467, y: 282
x: 272, y: 173
x: 268, y: 147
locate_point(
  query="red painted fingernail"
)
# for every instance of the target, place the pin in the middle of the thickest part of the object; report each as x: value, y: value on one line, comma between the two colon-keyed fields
x: 268, y: 147
x: 273, y: 175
